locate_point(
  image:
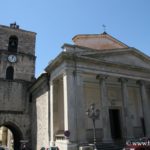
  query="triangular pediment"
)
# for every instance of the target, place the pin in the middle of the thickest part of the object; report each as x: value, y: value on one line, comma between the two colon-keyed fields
x: 98, y: 41
x: 130, y: 57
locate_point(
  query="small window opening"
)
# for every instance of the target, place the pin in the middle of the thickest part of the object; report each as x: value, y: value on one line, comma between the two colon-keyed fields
x: 10, y: 73
x: 13, y: 44
x: 30, y: 98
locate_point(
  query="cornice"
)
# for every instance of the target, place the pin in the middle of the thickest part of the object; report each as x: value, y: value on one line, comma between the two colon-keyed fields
x: 2, y: 51
x: 113, y: 64
x: 79, y: 58
x: 38, y: 82
x: 16, y: 80
x: 16, y: 30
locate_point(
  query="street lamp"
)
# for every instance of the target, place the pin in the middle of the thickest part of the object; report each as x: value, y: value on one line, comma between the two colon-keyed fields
x: 93, y: 114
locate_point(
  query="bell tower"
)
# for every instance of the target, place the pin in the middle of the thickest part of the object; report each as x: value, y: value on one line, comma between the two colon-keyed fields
x: 17, y: 53
x: 17, y: 71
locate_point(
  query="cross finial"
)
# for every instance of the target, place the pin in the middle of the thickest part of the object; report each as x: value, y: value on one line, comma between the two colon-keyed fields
x: 104, y: 27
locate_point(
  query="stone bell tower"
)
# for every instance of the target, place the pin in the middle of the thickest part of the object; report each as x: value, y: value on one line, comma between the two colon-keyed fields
x: 17, y: 51
x: 17, y: 70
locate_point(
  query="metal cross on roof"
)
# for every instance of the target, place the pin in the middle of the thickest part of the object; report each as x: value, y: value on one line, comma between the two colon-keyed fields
x: 104, y: 27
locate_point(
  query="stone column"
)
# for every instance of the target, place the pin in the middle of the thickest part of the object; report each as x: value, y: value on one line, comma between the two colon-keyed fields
x: 70, y: 120
x: 51, y: 113
x: 104, y: 113
x: 128, y: 127
x: 145, y: 107
x: 81, y: 130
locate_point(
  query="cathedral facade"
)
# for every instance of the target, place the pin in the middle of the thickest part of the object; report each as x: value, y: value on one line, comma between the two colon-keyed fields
x: 51, y: 110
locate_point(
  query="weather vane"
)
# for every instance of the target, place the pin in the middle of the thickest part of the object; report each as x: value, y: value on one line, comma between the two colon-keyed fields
x: 104, y: 27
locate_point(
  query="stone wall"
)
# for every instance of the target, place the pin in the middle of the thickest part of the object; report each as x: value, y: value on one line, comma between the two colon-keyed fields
x: 24, y: 67
x: 13, y: 96
x: 40, y: 116
x: 18, y: 123
x: 26, y: 40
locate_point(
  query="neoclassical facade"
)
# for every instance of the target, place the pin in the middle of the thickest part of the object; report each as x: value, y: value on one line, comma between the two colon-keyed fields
x: 97, y: 69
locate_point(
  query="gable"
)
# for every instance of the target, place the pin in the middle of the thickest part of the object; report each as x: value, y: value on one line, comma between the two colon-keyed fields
x: 98, y: 41
x: 125, y: 58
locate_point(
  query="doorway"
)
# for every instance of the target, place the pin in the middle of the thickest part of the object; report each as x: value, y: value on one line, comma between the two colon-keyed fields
x: 115, y: 123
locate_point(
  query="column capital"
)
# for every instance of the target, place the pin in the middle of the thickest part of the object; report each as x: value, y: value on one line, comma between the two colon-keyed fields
x: 123, y: 80
x: 68, y: 72
x: 101, y: 77
x: 141, y: 82
x: 51, y: 82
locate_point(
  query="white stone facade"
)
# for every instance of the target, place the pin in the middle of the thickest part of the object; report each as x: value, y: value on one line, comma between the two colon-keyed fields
x: 116, y: 80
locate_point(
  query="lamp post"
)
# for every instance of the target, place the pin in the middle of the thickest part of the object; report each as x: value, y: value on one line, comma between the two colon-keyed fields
x: 93, y: 114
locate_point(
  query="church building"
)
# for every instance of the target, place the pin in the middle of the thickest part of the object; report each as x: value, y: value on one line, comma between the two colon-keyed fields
x: 51, y: 110
x: 97, y: 69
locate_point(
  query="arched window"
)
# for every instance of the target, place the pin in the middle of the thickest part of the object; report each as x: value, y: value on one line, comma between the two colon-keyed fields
x: 13, y: 44
x: 10, y: 73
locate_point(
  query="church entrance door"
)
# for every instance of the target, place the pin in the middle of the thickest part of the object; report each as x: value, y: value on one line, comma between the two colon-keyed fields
x: 115, y: 123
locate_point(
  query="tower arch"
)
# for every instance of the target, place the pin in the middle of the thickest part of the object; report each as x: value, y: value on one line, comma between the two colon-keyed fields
x: 16, y: 132
x: 10, y: 73
x: 13, y: 43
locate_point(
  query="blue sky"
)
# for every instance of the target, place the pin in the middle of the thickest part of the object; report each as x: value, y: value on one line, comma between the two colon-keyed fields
x: 57, y: 21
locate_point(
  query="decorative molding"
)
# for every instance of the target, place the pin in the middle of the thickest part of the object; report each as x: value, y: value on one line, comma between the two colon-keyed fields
x: 123, y: 80
x: 102, y: 77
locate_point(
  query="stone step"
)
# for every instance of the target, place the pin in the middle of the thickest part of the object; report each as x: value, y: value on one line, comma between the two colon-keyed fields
x: 110, y: 146
x: 104, y: 146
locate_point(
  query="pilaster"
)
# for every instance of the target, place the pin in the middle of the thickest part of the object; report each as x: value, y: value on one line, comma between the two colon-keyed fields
x: 145, y: 106
x: 51, y: 113
x: 70, y: 120
x: 104, y: 108
x: 128, y: 126
x: 80, y: 102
